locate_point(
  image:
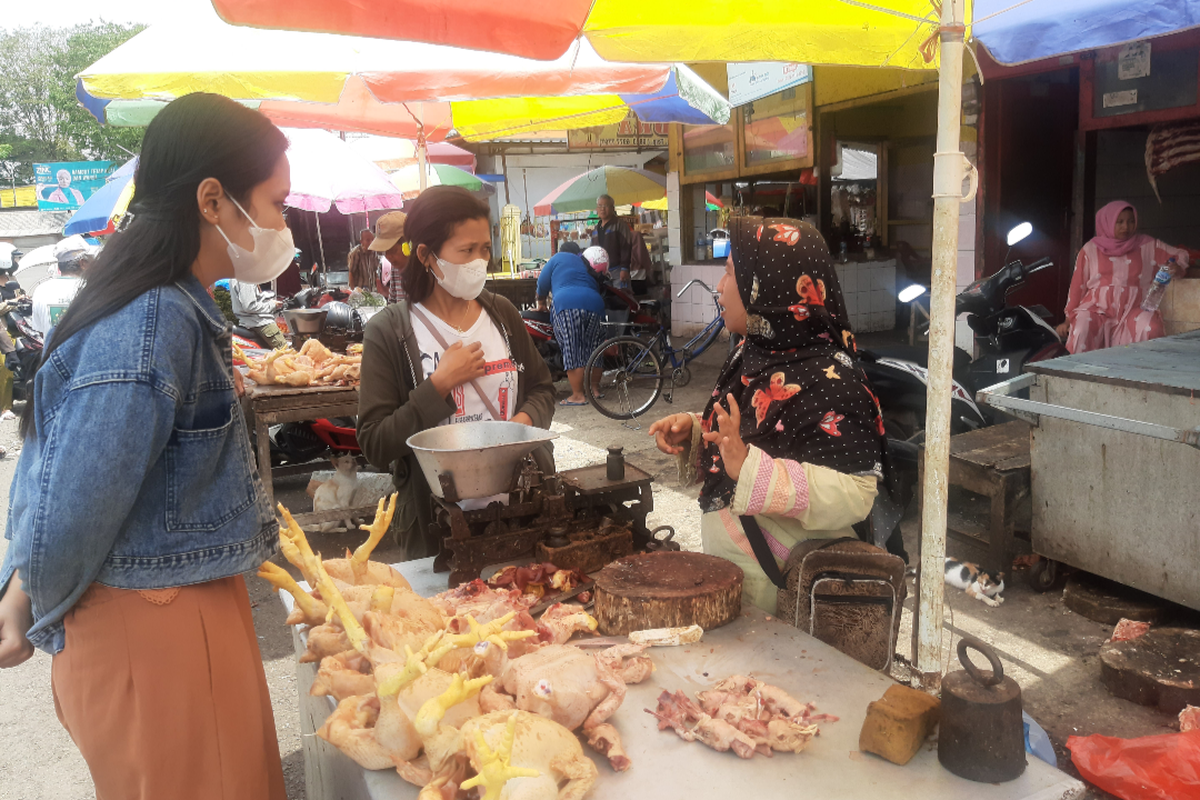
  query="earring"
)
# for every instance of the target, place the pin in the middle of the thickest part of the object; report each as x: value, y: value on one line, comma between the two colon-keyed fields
x: 406, y: 248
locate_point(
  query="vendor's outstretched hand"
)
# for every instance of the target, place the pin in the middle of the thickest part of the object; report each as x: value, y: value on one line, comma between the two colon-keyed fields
x: 1063, y: 330
x: 672, y: 433
x: 728, y: 436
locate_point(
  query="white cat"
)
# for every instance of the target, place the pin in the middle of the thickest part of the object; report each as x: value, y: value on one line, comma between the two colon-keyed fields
x: 981, y: 585
x: 338, y: 491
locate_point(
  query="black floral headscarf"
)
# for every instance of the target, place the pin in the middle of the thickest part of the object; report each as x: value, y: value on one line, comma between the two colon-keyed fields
x: 801, y: 395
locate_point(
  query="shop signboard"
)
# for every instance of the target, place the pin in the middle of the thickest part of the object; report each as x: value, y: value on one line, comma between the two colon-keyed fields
x: 65, y: 185
x: 752, y: 80
x: 628, y: 134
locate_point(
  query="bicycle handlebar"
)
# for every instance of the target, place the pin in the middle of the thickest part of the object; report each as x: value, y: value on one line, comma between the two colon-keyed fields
x: 707, y: 288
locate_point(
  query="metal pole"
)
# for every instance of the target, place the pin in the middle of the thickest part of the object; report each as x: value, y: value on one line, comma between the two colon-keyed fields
x: 947, y: 193
x: 320, y: 242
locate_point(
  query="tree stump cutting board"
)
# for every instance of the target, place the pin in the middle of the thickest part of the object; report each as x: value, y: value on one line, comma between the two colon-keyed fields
x: 667, y: 589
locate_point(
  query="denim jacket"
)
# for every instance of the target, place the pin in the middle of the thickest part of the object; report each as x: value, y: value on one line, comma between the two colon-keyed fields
x: 139, y: 474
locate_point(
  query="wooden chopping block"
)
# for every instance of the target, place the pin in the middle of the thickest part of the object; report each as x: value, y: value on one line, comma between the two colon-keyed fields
x: 1160, y: 668
x: 667, y: 590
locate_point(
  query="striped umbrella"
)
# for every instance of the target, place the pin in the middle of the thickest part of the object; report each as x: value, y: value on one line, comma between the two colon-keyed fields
x: 626, y: 186
x: 408, y: 179
x: 101, y: 213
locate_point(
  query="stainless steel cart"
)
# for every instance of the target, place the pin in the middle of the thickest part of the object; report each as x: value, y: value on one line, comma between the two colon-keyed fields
x: 1115, y: 456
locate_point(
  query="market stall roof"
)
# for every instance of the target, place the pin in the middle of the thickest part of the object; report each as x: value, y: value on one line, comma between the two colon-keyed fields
x: 1015, y: 33
x: 376, y: 86
x: 874, y: 33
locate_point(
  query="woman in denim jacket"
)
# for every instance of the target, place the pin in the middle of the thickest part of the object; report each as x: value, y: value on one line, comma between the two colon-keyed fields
x: 136, y: 505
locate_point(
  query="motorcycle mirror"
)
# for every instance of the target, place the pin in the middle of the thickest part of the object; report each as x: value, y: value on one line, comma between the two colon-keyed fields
x: 1019, y: 233
x: 911, y: 293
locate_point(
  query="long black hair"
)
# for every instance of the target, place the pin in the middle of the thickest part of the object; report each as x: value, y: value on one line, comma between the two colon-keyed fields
x: 431, y: 221
x: 195, y: 137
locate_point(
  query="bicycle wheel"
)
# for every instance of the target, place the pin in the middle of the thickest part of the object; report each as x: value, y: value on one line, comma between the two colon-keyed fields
x: 630, y: 378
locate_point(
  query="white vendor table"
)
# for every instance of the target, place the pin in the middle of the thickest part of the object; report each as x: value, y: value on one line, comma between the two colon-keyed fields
x: 665, y: 766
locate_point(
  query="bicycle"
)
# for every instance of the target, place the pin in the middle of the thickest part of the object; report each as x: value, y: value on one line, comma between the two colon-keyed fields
x: 631, y: 369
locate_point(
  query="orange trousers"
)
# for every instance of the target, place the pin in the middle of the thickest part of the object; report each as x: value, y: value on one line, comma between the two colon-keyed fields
x: 164, y: 694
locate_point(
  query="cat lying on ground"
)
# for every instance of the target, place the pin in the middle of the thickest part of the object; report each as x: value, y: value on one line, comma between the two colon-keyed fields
x: 977, y: 583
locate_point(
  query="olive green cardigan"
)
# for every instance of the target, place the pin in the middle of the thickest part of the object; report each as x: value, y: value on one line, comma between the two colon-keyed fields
x: 395, y: 401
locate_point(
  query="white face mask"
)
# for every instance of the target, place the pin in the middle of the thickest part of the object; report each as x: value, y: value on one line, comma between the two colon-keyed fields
x: 464, y: 281
x: 273, y: 251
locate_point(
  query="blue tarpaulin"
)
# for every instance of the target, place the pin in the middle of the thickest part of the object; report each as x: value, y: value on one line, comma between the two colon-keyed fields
x: 1016, y: 33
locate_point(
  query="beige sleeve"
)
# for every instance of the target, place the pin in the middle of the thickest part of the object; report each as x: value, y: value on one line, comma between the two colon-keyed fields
x: 819, y: 498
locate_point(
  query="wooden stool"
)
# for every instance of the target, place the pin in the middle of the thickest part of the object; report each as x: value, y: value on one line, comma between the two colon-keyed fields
x: 993, y: 462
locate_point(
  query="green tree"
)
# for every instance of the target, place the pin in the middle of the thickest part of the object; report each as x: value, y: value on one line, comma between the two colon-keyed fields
x: 40, y: 117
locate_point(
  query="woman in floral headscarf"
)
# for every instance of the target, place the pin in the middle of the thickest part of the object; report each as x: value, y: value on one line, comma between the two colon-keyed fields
x: 791, y: 444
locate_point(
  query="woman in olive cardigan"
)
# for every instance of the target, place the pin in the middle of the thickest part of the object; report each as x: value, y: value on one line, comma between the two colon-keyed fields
x: 396, y: 399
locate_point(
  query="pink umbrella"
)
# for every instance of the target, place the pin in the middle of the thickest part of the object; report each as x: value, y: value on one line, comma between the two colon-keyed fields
x: 326, y: 172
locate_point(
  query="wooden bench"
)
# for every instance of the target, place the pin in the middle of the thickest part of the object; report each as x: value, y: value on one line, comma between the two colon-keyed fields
x: 993, y: 462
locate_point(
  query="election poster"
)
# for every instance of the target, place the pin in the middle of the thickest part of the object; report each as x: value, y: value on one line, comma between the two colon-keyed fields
x: 65, y: 185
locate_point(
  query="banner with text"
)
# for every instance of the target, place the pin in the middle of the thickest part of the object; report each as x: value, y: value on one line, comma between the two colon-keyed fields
x: 628, y: 134
x: 752, y: 80
x: 65, y: 185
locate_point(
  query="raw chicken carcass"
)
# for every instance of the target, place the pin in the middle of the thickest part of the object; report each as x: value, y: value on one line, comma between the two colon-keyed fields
x: 524, y: 741
x: 562, y: 683
x: 351, y: 729
x: 562, y: 621
x: 343, y: 675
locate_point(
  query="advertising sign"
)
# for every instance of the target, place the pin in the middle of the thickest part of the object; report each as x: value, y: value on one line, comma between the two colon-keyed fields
x: 65, y: 185
x: 629, y: 133
x: 752, y: 80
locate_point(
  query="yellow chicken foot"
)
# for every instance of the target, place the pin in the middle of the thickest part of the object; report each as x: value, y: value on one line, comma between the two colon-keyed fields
x: 494, y: 768
x: 491, y: 632
x: 377, y: 528
x: 414, y: 667
x: 295, y: 547
x: 313, y: 609
x: 337, y: 605
x: 431, y: 713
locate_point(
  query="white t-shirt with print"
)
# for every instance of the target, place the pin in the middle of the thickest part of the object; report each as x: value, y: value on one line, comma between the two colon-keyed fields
x: 500, y: 380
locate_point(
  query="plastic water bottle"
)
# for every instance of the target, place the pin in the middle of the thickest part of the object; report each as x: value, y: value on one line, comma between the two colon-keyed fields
x: 1159, y: 287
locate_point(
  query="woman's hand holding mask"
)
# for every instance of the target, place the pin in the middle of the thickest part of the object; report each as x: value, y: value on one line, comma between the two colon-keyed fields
x: 459, y: 364
x: 672, y: 433
x: 728, y: 437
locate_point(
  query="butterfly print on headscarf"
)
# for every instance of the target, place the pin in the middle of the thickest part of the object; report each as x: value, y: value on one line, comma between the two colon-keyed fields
x: 799, y: 311
x: 777, y: 391
x: 829, y: 423
x: 811, y: 293
x: 831, y: 373
x: 788, y: 234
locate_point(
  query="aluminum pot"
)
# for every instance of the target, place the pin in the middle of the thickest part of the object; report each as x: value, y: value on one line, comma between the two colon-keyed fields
x: 480, y: 459
x: 305, y: 320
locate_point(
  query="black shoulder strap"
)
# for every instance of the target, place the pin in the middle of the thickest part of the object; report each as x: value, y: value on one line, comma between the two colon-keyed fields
x: 762, y: 551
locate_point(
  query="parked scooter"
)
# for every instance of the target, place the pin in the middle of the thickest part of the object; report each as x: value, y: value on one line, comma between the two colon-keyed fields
x: 1006, y: 338
x: 28, y: 343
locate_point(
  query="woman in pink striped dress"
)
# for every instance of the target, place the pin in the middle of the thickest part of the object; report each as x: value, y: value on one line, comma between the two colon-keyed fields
x: 1112, y: 275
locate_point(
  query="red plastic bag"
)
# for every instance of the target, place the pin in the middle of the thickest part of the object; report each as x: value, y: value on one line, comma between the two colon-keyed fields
x: 1165, y: 767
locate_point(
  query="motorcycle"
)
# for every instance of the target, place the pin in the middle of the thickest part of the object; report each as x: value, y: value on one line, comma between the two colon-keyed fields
x: 28, y: 345
x: 1006, y: 337
x: 620, y: 309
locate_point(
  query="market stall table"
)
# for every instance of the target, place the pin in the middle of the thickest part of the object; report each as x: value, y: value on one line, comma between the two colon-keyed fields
x: 273, y: 405
x: 666, y: 766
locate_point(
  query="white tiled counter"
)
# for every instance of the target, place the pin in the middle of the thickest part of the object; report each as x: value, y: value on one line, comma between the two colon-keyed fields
x: 869, y: 288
